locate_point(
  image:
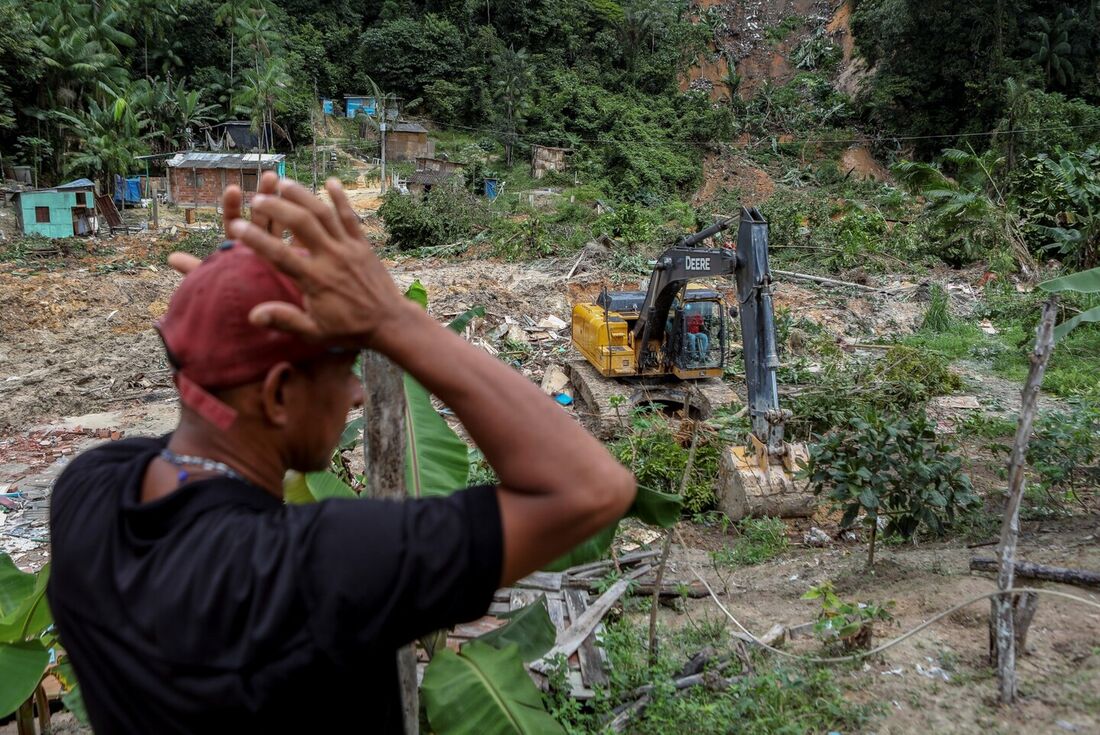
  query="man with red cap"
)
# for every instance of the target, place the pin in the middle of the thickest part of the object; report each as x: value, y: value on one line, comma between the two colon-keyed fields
x: 190, y: 598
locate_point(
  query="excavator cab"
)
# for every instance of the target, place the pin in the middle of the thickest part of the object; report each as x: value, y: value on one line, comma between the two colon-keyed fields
x: 696, y: 335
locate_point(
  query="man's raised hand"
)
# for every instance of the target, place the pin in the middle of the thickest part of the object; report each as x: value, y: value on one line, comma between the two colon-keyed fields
x: 348, y: 295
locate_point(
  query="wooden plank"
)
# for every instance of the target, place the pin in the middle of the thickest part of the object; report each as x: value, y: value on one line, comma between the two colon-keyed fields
x: 556, y: 608
x: 1029, y: 570
x: 592, y: 671
x: 522, y: 598
x: 479, y: 627
x: 570, y: 640
x: 549, y: 581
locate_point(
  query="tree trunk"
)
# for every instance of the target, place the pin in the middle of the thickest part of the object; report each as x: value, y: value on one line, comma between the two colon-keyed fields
x: 1002, y: 619
x: 384, y: 454
x: 1027, y: 570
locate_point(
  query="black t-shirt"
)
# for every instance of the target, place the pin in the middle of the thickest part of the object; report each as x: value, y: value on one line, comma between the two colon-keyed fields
x: 220, y: 609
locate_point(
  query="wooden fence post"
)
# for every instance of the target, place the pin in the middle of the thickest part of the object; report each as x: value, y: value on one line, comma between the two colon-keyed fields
x: 1002, y: 619
x: 384, y: 455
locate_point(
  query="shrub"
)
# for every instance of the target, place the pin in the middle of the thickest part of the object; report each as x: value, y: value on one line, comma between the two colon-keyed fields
x: 851, y: 624
x: 444, y: 215
x: 657, y: 453
x: 890, y: 467
x: 762, y: 539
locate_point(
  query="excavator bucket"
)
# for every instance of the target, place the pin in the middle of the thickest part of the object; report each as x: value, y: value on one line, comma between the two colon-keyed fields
x: 760, y: 479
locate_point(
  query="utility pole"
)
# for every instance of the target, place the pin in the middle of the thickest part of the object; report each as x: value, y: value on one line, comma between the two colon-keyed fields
x: 382, y: 133
x: 313, y: 126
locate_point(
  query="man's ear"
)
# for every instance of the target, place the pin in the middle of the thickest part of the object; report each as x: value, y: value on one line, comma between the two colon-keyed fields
x: 273, y: 396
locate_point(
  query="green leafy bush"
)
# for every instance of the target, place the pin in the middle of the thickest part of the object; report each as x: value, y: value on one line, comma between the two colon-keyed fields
x: 657, y: 452
x: 849, y: 624
x: 762, y: 539
x: 443, y: 216
x: 893, y: 468
x: 1064, y: 451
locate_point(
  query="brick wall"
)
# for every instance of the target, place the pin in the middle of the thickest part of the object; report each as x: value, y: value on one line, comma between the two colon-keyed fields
x: 203, y: 187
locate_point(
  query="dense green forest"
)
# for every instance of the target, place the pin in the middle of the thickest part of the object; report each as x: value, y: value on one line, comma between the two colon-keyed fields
x: 1009, y: 87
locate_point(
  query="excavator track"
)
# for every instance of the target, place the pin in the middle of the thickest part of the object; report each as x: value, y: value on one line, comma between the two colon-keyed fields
x: 597, y: 394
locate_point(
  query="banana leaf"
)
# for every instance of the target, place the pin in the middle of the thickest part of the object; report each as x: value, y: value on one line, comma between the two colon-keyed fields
x: 436, y: 459
x: 351, y: 435
x: 1092, y: 315
x: 462, y: 320
x: 656, y: 508
x: 31, y: 616
x: 313, y: 486
x: 1083, y: 282
x: 594, y: 548
x: 416, y: 292
x: 483, y: 691
x: 15, y: 585
x: 21, y: 667
x: 529, y: 628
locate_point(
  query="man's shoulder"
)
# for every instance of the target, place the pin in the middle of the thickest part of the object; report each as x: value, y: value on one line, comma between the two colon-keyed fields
x: 109, y: 458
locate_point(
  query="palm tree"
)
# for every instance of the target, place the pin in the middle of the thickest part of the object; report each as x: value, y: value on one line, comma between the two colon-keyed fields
x: 227, y: 14
x: 970, y: 209
x: 109, y: 138
x: 512, y: 82
x: 1051, y: 48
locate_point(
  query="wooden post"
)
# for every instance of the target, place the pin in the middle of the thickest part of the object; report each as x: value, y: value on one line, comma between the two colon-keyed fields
x: 1002, y: 617
x: 313, y: 126
x: 384, y: 455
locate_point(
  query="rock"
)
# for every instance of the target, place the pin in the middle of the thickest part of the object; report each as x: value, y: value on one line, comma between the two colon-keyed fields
x: 816, y: 537
x: 551, y: 323
x: 516, y: 334
x: 554, y: 380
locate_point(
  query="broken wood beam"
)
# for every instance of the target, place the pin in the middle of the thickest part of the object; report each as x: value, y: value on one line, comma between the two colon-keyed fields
x: 693, y: 590
x: 569, y: 640
x: 1028, y: 570
x: 826, y: 281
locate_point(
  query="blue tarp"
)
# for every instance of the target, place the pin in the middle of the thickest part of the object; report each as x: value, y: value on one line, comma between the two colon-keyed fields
x: 491, y: 189
x: 326, y: 107
x: 132, y: 187
x: 78, y: 184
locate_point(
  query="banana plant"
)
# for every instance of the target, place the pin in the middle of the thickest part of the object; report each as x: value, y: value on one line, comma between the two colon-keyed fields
x: 1083, y: 282
x: 27, y: 647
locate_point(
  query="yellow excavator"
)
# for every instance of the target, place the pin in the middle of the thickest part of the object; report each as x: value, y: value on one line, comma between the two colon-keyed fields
x: 669, y: 345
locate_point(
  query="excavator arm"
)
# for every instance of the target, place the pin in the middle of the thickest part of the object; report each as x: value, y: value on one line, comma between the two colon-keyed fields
x: 679, y: 264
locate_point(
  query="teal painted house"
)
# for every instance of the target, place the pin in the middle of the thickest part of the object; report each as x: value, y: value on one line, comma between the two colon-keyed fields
x: 64, y: 211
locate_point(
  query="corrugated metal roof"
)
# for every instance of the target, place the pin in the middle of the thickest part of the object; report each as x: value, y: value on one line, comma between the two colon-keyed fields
x: 78, y: 184
x: 204, y: 159
x: 408, y: 127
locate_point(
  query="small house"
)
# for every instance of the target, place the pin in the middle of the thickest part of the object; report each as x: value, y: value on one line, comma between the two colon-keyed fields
x: 238, y: 135
x: 198, y: 178
x: 356, y: 103
x: 546, y: 158
x: 64, y: 211
x: 432, y: 171
x: 408, y: 141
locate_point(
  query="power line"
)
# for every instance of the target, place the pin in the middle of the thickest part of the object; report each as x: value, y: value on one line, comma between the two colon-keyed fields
x: 768, y: 138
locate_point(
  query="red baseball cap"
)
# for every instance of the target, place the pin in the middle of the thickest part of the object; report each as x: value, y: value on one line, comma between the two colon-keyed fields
x: 210, y: 342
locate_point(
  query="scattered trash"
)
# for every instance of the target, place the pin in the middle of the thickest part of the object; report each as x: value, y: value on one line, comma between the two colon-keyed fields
x: 552, y: 323
x: 933, y: 672
x: 987, y: 326
x: 962, y: 403
x: 1068, y: 726
x: 554, y: 380
x: 564, y: 399
x: 894, y: 672
x: 816, y: 537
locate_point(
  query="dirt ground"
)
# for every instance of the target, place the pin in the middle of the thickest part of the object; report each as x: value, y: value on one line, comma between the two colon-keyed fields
x: 938, y: 680
x: 81, y: 363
